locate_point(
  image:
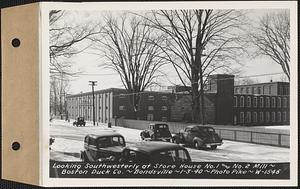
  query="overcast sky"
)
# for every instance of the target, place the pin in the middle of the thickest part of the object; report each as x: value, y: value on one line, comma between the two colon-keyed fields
x: 88, y: 63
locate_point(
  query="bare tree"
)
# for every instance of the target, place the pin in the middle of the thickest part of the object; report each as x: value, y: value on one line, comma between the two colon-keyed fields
x: 199, y: 43
x: 64, y: 40
x: 272, y: 38
x: 127, y: 44
x: 58, y: 91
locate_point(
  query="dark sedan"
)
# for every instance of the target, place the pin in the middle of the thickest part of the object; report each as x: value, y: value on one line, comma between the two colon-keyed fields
x: 107, y: 146
x: 199, y: 137
x: 155, y: 151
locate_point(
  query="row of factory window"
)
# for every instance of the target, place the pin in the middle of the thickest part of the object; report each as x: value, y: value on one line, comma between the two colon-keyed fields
x: 279, y: 102
x: 87, y: 107
x: 150, y: 108
x: 254, y: 117
x: 85, y: 99
x: 150, y: 97
x: 282, y: 90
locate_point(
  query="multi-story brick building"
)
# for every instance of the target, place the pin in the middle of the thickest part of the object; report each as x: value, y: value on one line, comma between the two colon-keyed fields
x: 257, y: 104
x: 173, y: 104
x: 115, y: 103
x: 261, y: 104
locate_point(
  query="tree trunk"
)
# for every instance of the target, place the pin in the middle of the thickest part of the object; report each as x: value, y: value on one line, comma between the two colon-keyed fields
x: 195, y: 96
x: 203, y: 120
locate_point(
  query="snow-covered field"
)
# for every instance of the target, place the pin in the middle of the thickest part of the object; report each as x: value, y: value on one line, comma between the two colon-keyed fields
x: 69, y: 142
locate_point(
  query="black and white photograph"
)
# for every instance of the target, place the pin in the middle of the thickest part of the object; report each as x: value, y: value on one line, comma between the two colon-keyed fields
x: 170, y: 92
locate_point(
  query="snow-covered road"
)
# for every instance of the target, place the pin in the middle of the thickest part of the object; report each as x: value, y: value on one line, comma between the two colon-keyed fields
x: 69, y: 142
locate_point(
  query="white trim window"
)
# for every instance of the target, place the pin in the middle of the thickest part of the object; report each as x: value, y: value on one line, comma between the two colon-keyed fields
x: 255, y: 102
x: 248, y: 101
x: 284, y: 102
x: 248, y: 117
x: 267, y: 102
x: 279, y: 117
x: 261, y: 102
x: 235, y: 102
x: 273, y: 117
x: 267, y: 116
x: 242, y: 117
x: 279, y: 102
x: 284, y: 116
x: 254, y: 117
x: 261, y: 117
x: 273, y: 102
x: 151, y: 97
x: 242, y: 101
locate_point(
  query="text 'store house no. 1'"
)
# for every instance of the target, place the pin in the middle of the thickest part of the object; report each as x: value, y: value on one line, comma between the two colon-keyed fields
x: 255, y: 104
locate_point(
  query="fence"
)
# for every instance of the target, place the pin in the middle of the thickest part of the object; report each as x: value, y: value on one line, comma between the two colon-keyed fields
x: 255, y: 135
x: 274, y: 139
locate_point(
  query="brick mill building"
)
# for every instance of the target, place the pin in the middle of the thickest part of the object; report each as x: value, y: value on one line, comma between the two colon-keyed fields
x: 224, y: 104
x: 262, y: 104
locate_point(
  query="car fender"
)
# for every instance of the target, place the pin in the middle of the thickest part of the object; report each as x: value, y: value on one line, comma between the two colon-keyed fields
x: 87, y: 155
x: 197, y: 139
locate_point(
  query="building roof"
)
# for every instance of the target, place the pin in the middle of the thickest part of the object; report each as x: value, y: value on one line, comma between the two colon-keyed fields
x: 154, y: 146
x: 265, y: 83
x: 260, y: 95
x: 98, y: 91
x: 117, y: 90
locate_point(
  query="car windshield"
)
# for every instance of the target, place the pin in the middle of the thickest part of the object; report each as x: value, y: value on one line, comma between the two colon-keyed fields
x: 204, y: 129
x: 171, y: 156
x: 105, y: 142
x: 161, y: 127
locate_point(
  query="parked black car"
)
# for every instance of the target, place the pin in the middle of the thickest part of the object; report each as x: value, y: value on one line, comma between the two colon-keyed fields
x: 199, y: 137
x: 105, y: 147
x: 79, y: 122
x: 157, y: 132
x: 155, y: 152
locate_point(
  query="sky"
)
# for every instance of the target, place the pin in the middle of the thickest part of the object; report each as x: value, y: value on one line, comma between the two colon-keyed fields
x: 89, y: 64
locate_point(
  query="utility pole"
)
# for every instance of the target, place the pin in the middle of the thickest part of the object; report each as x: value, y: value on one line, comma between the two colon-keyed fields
x: 93, y: 83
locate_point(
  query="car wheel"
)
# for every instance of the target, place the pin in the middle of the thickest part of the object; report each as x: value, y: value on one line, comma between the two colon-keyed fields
x: 197, y: 145
x: 152, y: 137
x: 213, y: 147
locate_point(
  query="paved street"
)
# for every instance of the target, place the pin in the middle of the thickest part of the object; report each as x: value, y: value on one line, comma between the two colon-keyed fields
x: 69, y: 142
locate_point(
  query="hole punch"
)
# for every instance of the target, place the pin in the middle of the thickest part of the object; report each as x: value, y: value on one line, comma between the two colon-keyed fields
x: 16, y: 42
x: 15, y: 146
